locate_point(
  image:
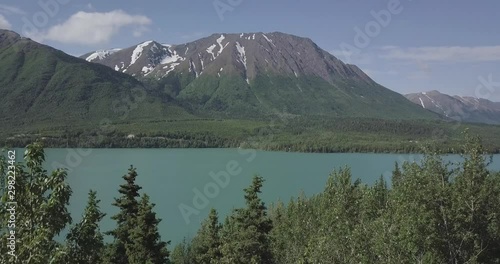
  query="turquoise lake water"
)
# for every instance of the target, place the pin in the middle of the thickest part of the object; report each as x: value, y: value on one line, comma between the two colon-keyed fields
x: 181, y: 178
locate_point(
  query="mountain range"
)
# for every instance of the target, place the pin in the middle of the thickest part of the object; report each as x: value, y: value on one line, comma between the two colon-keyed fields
x: 258, y: 73
x: 460, y: 108
x: 40, y: 84
x: 217, y: 91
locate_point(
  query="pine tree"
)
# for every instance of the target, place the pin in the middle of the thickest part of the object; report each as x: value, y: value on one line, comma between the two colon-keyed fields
x: 228, y: 236
x: 145, y: 242
x: 182, y: 253
x: 128, y: 205
x: 248, y: 241
x: 206, y: 245
x: 84, y: 240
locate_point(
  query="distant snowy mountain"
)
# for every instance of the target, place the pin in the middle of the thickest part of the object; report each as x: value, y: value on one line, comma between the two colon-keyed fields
x: 138, y: 60
x: 258, y: 73
x: 43, y: 85
x: 462, y: 108
x: 246, y: 54
x: 99, y: 55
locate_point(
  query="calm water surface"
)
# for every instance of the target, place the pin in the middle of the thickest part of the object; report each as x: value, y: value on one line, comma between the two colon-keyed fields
x: 174, y: 177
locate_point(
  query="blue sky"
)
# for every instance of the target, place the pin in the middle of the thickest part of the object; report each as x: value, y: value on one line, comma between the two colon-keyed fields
x: 450, y: 46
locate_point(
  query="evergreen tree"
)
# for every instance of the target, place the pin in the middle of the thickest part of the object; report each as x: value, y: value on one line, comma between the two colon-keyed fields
x: 85, y: 241
x: 182, y: 253
x: 228, y: 235
x: 248, y: 241
x: 145, y: 242
x: 127, y: 203
x: 206, y: 245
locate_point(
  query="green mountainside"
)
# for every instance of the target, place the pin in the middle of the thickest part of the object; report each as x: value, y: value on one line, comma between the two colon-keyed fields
x: 42, y: 85
x: 232, y: 98
x: 249, y: 75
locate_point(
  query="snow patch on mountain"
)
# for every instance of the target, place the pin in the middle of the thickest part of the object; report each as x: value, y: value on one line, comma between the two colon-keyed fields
x: 136, y: 54
x: 153, y: 48
x: 192, y: 68
x: 434, y: 102
x: 171, y: 57
x: 118, y: 68
x: 170, y: 68
x: 147, y: 69
x: 422, y: 102
x: 268, y: 40
x: 242, y: 55
x: 101, y: 54
x: 210, y: 50
x: 202, y: 63
x: 219, y: 40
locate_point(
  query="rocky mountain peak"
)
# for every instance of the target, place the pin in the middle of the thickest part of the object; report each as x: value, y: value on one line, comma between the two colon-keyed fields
x: 460, y: 108
x: 247, y: 54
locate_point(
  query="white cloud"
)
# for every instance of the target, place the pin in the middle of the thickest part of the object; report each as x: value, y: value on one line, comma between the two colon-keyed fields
x: 443, y: 53
x: 93, y: 28
x: 139, y: 31
x: 5, y: 9
x: 351, y: 57
x: 4, y: 23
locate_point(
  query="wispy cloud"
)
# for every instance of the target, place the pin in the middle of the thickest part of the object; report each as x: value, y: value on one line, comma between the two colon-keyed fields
x: 4, y: 23
x: 8, y: 10
x: 351, y: 57
x: 443, y: 53
x: 87, y: 28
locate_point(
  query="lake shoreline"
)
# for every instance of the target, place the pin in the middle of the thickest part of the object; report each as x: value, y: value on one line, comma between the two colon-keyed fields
x: 396, y: 152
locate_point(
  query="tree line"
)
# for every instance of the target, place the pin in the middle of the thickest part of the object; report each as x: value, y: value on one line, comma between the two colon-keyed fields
x: 317, y: 134
x: 429, y: 212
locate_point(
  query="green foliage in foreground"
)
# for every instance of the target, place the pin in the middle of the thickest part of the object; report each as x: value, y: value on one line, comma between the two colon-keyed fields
x: 85, y: 237
x: 41, y: 213
x: 433, y: 212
